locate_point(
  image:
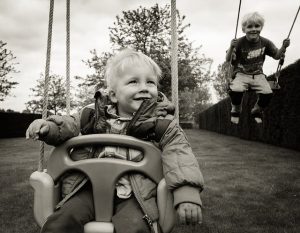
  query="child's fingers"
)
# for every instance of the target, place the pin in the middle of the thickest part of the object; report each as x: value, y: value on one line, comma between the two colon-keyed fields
x: 286, y: 42
x: 189, y: 213
x: 30, y: 132
x: 36, y: 129
x: 199, y: 214
x: 181, y: 215
x: 27, y: 133
x: 188, y: 216
x: 194, y: 216
x: 161, y: 112
x: 44, y: 130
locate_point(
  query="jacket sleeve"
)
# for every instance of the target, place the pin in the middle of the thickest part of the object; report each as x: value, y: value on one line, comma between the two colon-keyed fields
x: 62, y: 128
x: 181, y: 168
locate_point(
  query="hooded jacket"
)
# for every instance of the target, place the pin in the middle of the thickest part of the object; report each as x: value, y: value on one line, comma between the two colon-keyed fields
x: 180, y: 167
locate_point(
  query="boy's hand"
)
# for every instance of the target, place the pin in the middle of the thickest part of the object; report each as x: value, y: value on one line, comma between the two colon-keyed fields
x: 164, y: 109
x: 233, y: 43
x: 189, y: 213
x: 286, y: 43
x: 37, y: 129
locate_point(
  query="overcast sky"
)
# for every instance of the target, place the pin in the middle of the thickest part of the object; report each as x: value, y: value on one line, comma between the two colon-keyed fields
x: 24, y: 25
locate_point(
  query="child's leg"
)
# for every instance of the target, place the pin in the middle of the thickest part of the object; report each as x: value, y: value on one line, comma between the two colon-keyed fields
x: 264, y: 91
x: 73, y: 215
x: 128, y: 217
x: 237, y: 88
x: 236, y: 100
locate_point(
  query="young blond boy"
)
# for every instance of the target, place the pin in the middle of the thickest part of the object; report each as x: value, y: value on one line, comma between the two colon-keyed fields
x: 247, y: 55
x: 136, y: 109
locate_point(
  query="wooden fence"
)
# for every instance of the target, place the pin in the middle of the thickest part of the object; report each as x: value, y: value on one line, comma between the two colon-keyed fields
x: 281, y: 125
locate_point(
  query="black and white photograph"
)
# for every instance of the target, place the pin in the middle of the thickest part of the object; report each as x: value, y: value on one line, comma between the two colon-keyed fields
x: 157, y: 116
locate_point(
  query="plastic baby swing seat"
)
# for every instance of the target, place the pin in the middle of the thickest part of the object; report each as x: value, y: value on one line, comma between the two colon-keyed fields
x: 103, y: 174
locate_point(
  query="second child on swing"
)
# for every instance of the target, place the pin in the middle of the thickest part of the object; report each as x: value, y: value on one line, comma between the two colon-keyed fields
x: 247, y: 55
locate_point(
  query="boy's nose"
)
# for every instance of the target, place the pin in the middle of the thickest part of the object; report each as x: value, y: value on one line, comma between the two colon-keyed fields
x: 143, y: 87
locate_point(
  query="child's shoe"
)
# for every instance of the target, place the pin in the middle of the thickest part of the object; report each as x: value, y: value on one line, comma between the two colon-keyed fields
x: 256, y: 113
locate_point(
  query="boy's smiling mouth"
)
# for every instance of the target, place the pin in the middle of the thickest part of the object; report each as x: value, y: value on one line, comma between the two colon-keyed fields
x: 142, y: 98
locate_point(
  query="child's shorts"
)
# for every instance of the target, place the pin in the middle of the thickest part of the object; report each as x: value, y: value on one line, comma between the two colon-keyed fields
x: 257, y: 82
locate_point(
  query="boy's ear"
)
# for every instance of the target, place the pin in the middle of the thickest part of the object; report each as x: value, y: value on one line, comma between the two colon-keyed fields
x: 112, y: 96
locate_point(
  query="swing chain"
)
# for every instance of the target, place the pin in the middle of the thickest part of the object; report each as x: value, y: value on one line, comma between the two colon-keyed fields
x: 281, y: 60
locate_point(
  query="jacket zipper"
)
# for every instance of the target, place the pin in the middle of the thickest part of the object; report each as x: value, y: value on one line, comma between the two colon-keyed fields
x: 139, y: 200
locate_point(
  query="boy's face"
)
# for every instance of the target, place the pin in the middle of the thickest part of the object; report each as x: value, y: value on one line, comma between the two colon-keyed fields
x: 136, y: 83
x: 252, y: 31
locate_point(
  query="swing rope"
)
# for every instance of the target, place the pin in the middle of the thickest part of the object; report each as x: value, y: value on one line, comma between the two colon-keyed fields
x: 229, y: 67
x: 68, y: 101
x: 237, y: 20
x: 281, y: 61
x: 47, y: 69
x: 293, y: 23
x: 174, y: 59
x: 46, y: 85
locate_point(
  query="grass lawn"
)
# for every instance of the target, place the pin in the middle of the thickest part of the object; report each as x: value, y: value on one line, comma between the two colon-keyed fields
x: 250, y: 187
x: 18, y: 159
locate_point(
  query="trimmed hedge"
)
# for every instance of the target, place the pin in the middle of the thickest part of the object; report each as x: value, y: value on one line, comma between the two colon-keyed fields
x: 14, y: 124
x: 281, y: 122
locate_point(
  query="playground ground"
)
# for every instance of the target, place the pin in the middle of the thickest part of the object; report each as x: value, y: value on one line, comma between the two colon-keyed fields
x: 250, y: 187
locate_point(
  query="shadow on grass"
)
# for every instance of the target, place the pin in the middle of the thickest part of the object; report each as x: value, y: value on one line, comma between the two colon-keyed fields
x: 250, y: 187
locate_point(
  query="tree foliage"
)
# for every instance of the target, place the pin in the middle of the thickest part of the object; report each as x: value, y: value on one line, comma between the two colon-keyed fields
x: 221, y: 80
x: 192, y: 102
x: 56, y: 95
x: 98, y: 64
x: 148, y: 30
x: 89, y: 84
x: 6, y: 68
x: 85, y: 96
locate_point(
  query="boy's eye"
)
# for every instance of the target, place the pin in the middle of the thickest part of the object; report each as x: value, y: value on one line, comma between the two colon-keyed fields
x: 132, y: 82
x: 253, y: 26
x: 152, y: 82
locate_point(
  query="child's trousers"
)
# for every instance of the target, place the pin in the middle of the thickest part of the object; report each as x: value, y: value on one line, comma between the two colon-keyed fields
x: 258, y: 83
x: 79, y: 210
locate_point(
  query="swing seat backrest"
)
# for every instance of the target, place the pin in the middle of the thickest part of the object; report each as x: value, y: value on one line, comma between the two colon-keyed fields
x: 104, y: 173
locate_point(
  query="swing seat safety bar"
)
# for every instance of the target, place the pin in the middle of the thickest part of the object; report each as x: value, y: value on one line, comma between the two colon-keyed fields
x: 103, y: 174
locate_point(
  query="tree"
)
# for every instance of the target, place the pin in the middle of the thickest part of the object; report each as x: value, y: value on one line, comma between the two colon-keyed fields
x: 6, y: 67
x: 148, y: 31
x: 89, y: 84
x: 98, y: 64
x: 85, y: 96
x: 56, y: 96
x: 221, y: 80
x: 192, y: 102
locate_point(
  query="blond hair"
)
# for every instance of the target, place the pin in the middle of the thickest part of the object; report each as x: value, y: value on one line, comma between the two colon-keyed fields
x: 121, y: 60
x: 253, y: 17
